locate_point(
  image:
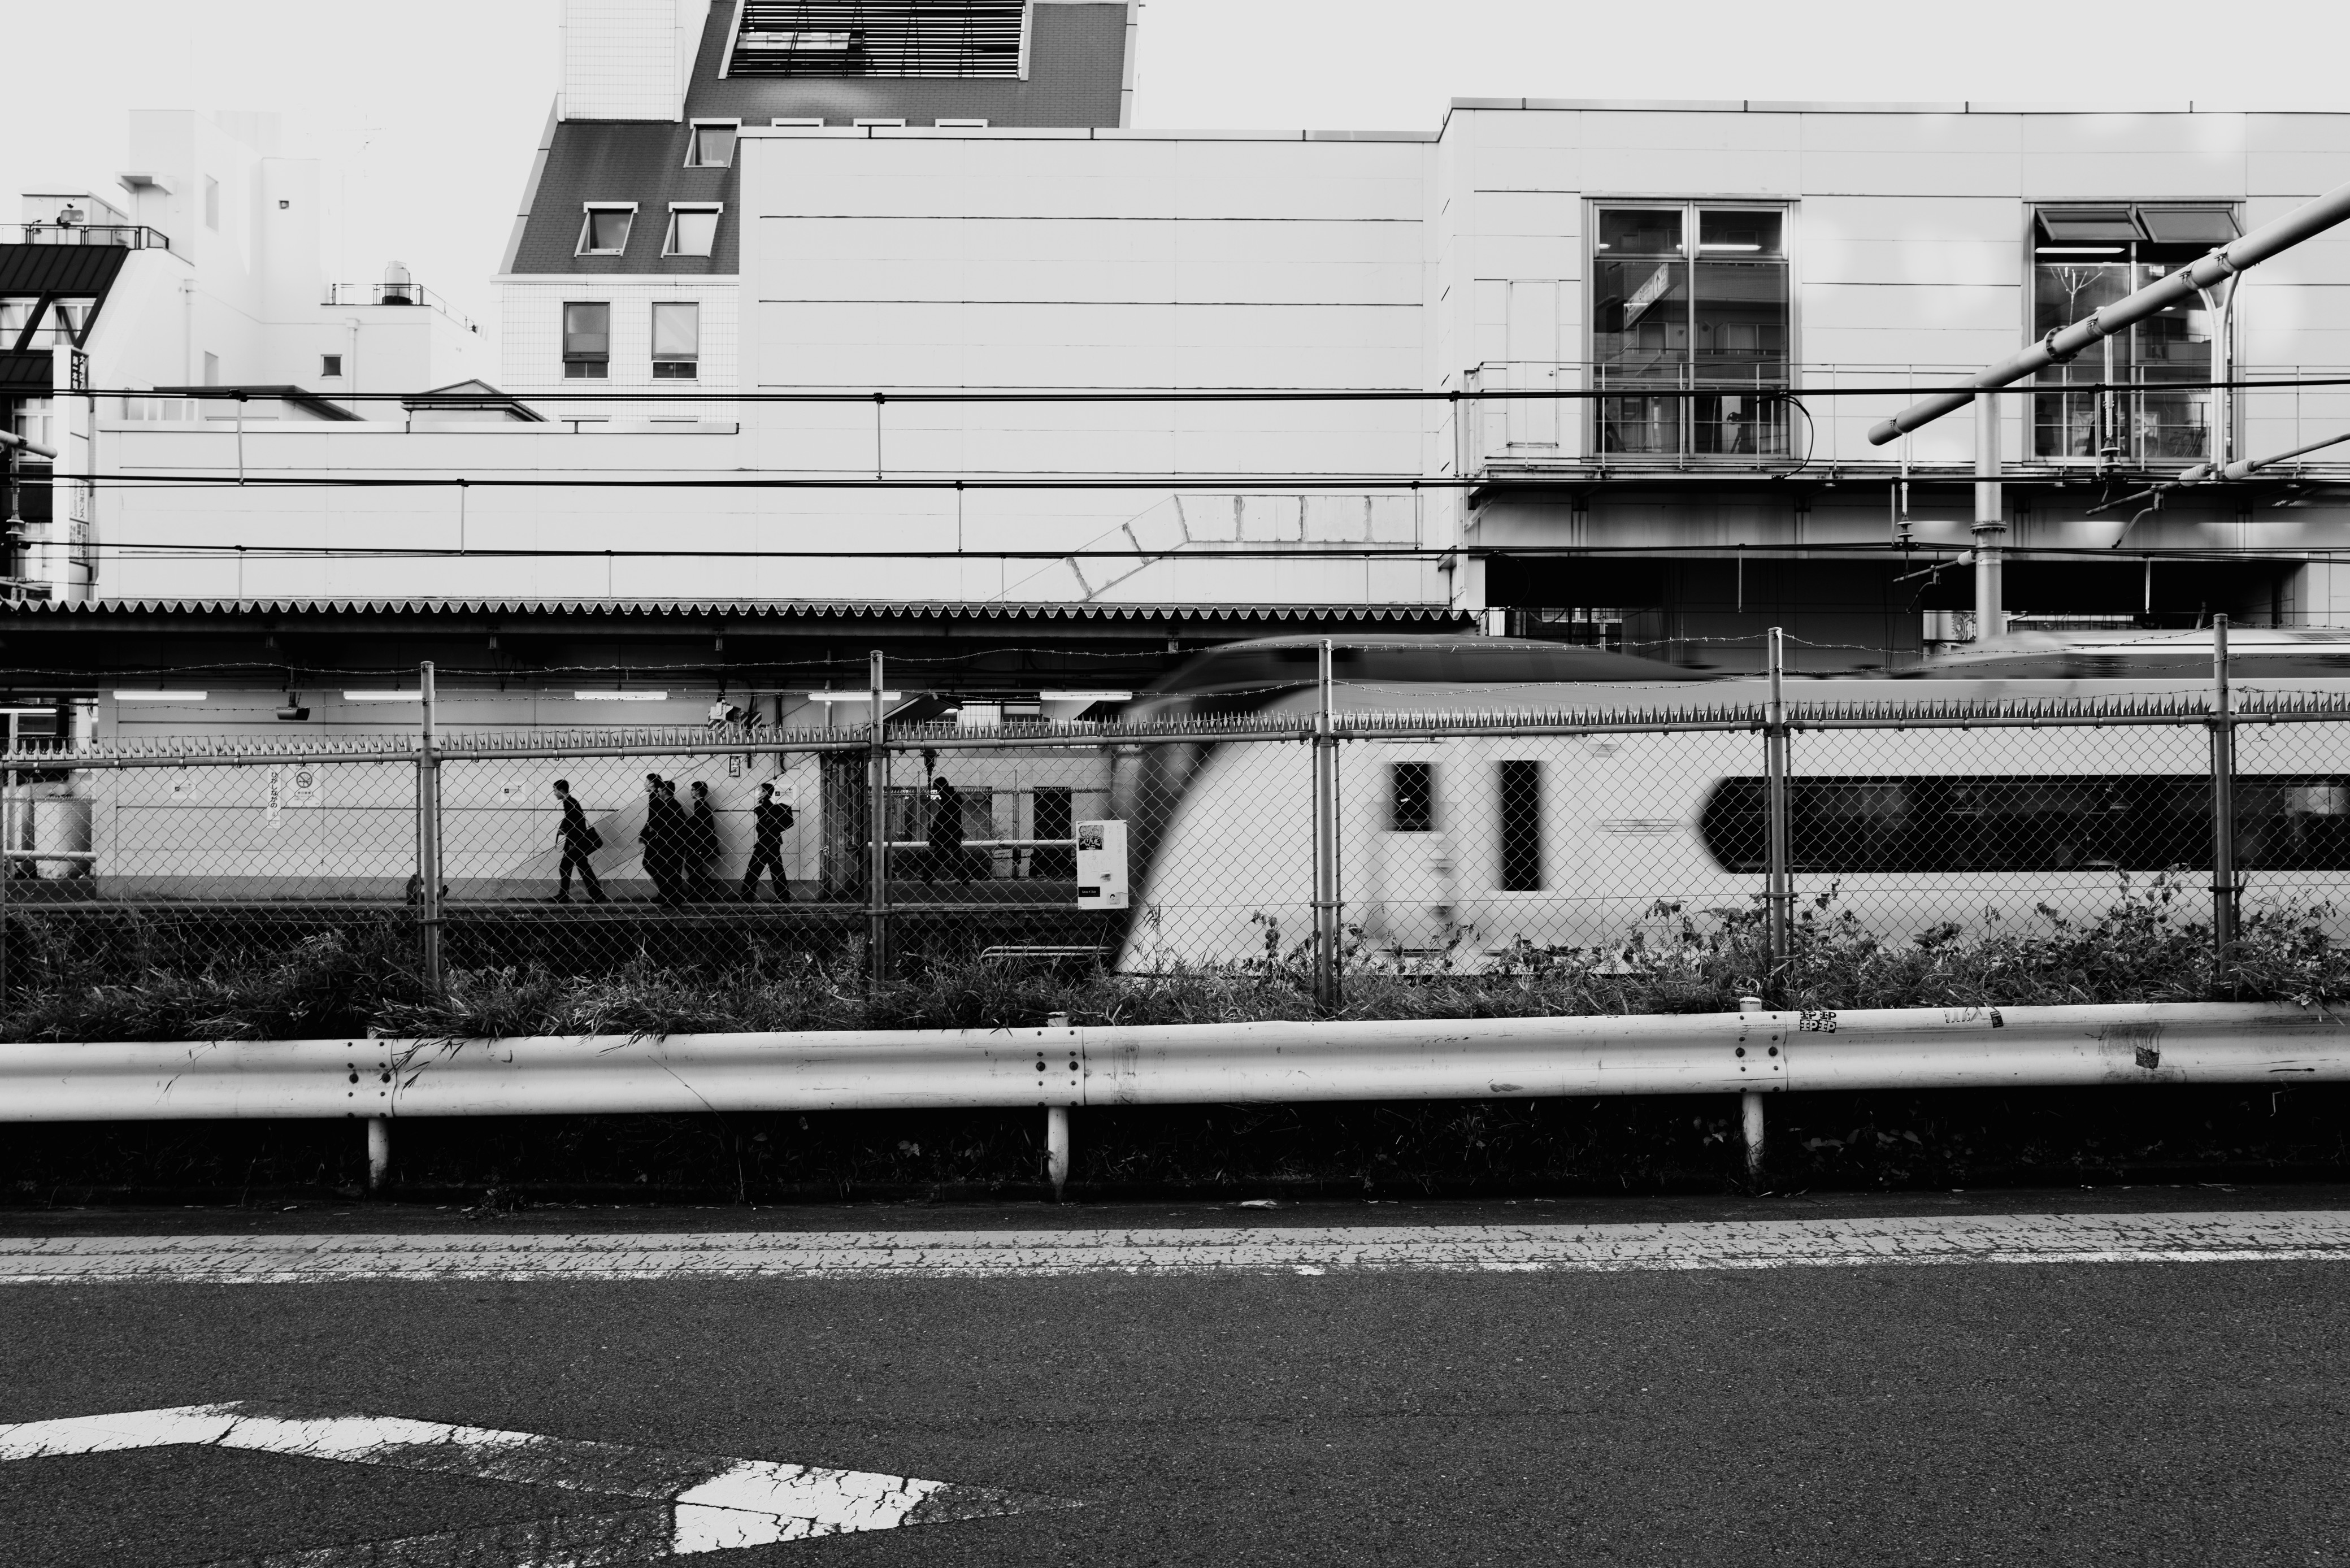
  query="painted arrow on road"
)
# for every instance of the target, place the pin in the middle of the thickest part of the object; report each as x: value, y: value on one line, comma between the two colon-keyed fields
x: 697, y: 1502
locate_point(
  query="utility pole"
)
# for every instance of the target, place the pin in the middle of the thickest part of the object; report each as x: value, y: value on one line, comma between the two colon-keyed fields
x: 876, y: 833
x: 1991, y: 522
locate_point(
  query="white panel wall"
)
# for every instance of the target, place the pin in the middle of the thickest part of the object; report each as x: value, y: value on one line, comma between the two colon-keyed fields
x: 628, y: 59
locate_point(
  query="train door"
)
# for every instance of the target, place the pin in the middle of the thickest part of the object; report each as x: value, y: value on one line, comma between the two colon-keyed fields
x: 1411, y: 883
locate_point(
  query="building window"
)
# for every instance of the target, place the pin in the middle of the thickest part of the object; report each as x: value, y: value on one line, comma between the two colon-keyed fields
x: 330, y: 366
x: 1413, y: 786
x: 586, y: 341
x: 211, y: 202
x: 677, y: 340
x: 961, y: 124
x: 889, y: 123
x: 1690, y: 299
x: 2088, y: 256
x: 798, y: 124
x: 692, y: 230
x: 212, y: 368
x: 713, y: 146
x: 1520, y: 819
x: 605, y: 231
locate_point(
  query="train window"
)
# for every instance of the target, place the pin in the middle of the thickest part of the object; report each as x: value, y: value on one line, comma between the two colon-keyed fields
x: 1414, y: 795
x: 2068, y: 822
x: 1520, y: 825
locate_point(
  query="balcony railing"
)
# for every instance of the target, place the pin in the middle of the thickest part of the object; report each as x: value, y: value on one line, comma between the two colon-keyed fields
x: 128, y: 236
x: 350, y: 293
x: 1815, y: 417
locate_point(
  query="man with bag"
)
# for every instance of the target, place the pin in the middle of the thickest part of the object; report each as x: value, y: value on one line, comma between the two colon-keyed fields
x: 579, y: 841
x: 768, y: 819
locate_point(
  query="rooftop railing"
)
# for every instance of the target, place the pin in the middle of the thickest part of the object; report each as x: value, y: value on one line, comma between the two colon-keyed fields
x: 128, y: 236
x: 350, y: 293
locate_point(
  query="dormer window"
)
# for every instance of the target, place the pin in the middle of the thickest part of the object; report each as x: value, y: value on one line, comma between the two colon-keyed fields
x: 692, y: 229
x: 712, y: 144
x: 605, y: 231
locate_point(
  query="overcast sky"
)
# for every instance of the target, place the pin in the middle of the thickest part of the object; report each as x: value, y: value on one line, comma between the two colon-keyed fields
x: 431, y: 108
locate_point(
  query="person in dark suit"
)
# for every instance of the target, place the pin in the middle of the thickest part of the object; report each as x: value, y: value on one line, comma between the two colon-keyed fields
x: 663, y: 838
x: 578, y: 841
x: 701, y: 841
x: 768, y: 820
x: 946, y: 830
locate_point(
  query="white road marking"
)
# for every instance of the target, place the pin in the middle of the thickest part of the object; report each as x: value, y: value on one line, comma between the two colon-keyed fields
x: 710, y: 1503
x: 2187, y: 1237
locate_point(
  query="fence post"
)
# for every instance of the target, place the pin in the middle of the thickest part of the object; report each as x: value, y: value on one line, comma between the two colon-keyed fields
x: 1778, y: 888
x: 2223, y: 801
x: 877, y: 834
x: 8, y: 866
x: 428, y: 837
x: 1325, y: 844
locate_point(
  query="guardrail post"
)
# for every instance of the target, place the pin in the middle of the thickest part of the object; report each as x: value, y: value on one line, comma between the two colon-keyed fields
x: 1326, y: 845
x: 877, y: 834
x: 2223, y: 803
x: 1778, y: 887
x: 427, y: 838
x: 1749, y: 1109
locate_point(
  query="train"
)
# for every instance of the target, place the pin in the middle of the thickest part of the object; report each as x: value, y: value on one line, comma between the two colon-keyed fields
x: 1477, y: 851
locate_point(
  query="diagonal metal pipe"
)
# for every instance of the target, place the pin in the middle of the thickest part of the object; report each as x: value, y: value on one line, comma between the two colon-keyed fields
x: 2188, y: 283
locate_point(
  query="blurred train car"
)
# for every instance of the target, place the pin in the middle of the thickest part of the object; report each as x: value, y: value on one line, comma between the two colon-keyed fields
x: 1472, y: 852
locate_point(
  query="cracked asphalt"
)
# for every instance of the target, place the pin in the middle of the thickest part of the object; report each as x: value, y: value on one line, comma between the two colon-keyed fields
x: 2132, y: 1413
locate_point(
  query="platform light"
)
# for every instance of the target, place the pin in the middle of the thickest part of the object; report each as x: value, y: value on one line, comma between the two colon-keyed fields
x: 384, y: 696
x: 146, y: 696
x: 854, y: 696
x: 620, y: 696
x: 1085, y: 696
x: 2076, y: 250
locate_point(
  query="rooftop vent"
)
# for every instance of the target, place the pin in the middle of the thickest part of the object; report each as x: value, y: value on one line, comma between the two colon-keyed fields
x: 968, y: 39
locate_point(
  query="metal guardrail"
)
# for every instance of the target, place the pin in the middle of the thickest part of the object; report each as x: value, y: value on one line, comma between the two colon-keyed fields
x: 1061, y: 1067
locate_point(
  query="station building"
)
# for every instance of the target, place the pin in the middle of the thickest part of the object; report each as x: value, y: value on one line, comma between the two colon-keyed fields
x: 781, y: 277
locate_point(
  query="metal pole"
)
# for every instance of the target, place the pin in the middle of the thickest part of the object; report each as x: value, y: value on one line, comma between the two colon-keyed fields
x: 378, y: 1134
x: 8, y: 862
x: 2223, y: 799
x: 1779, y: 895
x: 2058, y: 346
x: 876, y: 833
x: 1057, y: 1148
x: 1991, y: 520
x: 1325, y: 844
x: 428, y: 837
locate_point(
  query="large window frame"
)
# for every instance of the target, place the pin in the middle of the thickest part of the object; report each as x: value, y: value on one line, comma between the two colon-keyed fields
x: 586, y: 351
x: 1691, y: 355
x: 674, y: 358
x: 593, y: 244
x: 2081, y: 256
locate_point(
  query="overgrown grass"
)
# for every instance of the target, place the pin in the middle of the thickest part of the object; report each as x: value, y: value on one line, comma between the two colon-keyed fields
x: 2146, y: 947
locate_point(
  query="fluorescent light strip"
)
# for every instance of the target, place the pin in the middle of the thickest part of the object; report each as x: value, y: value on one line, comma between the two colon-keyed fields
x: 854, y: 696
x: 1719, y: 245
x: 1085, y: 696
x: 2078, y: 251
x: 620, y: 696
x: 384, y: 696
x: 161, y: 696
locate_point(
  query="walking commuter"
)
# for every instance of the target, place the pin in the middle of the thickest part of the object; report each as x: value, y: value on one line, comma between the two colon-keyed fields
x: 663, y: 837
x: 578, y: 841
x: 768, y: 819
x: 946, y: 830
x: 701, y: 840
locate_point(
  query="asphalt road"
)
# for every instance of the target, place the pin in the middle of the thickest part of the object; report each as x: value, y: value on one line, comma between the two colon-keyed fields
x: 2081, y: 1413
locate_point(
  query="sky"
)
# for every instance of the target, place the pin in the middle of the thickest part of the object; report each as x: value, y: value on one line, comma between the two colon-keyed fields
x: 430, y: 109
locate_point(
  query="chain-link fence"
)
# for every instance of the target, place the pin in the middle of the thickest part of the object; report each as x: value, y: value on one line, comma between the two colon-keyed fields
x: 1452, y: 841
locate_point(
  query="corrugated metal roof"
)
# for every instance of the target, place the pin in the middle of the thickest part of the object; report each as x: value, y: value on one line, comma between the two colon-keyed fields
x: 71, y: 272
x: 776, y: 609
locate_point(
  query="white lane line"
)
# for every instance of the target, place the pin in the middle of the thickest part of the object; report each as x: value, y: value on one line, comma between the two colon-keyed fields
x: 710, y: 1503
x: 2302, y: 1235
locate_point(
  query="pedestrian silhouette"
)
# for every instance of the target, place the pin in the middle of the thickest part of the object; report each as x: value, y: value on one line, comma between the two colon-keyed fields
x: 663, y: 838
x: 768, y: 820
x: 578, y: 841
x: 701, y: 840
x: 946, y: 830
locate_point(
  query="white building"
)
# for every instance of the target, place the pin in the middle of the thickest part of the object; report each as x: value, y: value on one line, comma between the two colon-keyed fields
x: 1601, y: 370
x: 198, y: 266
